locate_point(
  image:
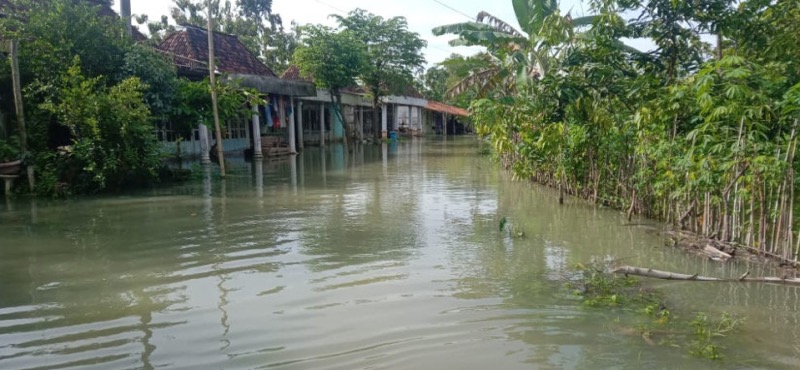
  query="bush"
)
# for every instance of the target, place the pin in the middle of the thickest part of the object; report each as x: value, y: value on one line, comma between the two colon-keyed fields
x: 113, y: 146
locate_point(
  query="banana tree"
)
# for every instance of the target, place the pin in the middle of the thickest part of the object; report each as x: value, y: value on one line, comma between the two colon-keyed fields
x: 520, y: 54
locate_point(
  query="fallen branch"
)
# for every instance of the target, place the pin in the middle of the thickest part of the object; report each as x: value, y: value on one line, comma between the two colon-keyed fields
x: 666, y: 275
x: 715, y: 253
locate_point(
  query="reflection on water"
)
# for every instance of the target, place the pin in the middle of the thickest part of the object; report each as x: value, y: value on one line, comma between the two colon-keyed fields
x: 379, y: 257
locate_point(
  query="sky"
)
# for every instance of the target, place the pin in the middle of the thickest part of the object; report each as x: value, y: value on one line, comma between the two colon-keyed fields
x: 422, y: 15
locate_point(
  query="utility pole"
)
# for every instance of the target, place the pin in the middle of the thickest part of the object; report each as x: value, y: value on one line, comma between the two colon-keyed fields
x: 125, y: 14
x: 213, y: 77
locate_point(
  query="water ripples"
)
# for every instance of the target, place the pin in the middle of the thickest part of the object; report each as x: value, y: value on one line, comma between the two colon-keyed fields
x: 383, y: 266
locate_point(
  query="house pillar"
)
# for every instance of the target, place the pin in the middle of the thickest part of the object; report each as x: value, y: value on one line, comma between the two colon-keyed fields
x: 205, y: 145
x: 258, y: 166
x: 300, y: 143
x: 256, y: 133
x: 360, y: 122
x: 395, y: 118
x: 384, y: 132
x: 322, y: 124
x: 292, y: 142
x: 282, y: 114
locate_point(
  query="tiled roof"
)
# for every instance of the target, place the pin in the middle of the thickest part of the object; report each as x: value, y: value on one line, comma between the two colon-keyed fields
x: 293, y: 74
x: 231, y: 55
x: 449, y: 109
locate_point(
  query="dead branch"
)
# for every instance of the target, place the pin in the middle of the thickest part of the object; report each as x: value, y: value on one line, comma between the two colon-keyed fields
x: 666, y: 275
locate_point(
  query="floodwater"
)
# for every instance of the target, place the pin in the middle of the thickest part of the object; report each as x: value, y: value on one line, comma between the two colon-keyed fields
x: 385, y: 258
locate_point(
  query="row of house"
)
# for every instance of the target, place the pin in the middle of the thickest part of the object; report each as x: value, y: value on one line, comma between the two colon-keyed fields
x: 297, y: 114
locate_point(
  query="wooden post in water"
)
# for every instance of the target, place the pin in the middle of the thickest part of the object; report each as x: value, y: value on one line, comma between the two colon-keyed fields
x: 213, y: 77
x: 13, y: 51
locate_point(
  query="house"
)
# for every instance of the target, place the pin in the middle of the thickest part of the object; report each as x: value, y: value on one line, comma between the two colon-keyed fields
x: 320, y: 123
x: 271, y: 125
x: 406, y: 114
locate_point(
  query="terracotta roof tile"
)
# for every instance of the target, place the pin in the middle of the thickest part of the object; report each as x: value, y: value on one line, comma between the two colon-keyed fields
x: 232, y: 56
x: 449, y: 109
x: 293, y: 74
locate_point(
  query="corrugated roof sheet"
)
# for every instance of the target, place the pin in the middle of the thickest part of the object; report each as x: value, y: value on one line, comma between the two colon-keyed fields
x: 232, y: 56
x: 449, y: 109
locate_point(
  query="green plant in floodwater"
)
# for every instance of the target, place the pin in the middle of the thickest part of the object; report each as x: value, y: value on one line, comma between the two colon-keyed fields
x: 503, y: 222
x: 484, y: 149
x: 653, y: 322
x: 706, y: 331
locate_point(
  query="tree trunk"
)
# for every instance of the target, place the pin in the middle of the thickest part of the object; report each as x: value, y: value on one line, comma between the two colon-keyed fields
x: 666, y: 275
x: 336, y: 102
x: 376, y: 115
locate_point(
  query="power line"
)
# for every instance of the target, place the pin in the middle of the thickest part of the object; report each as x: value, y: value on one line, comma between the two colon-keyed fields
x: 331, y: 6
x: 455, y: 10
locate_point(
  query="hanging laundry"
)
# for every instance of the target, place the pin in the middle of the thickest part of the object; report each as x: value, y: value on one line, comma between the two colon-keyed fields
x: 276, y: 117
x: 268, y: 114
x: 288, y: 106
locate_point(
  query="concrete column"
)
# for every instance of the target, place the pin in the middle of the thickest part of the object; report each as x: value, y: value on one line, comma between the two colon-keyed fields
x: 205, y: 145
x: 258, y: 172
x: 291, y: 128
x: 445, y: 124
x: 299, y: 113
x: 324, y: 167
x: 360, y: 122
x: 395, y: 120
x: 384, y: 132
x: 256, y: 134
x: 282, y: 114
x: 322, y: 124
x: 293, y: 173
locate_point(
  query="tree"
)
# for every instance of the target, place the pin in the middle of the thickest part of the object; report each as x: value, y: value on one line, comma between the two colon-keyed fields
x: 58, y: 31
x: 282, y: 46
x: 334, y: 59
x: 394, y: 54
x: 519, y: 55
x: 434, y: 83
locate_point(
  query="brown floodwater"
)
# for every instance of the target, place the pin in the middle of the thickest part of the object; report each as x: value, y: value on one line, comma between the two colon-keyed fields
x: 389, y: 257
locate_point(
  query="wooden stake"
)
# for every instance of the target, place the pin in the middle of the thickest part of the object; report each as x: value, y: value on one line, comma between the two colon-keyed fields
x: 13, y: 49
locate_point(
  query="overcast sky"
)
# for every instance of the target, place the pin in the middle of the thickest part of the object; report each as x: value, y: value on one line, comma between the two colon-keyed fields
x: 422, y: 15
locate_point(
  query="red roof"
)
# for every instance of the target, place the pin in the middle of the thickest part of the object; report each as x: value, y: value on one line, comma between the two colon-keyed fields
x: 232, y: 56
x: 449, y: 109
x: 293, y: 74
